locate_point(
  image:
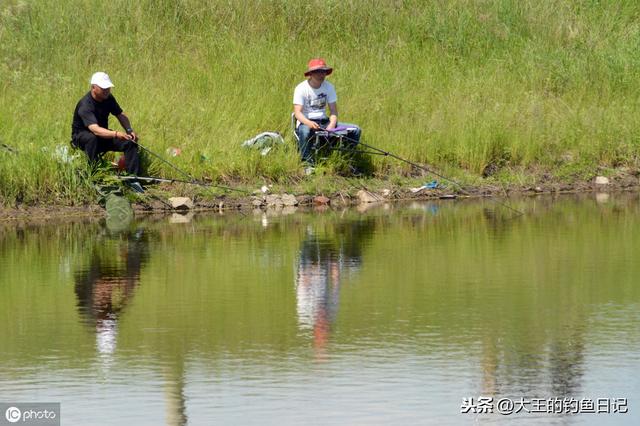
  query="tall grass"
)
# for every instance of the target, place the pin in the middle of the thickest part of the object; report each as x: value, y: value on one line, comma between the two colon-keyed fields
x: 456, y: 83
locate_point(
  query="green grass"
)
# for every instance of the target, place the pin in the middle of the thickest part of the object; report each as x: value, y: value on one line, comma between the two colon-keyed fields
x: 457, y: 84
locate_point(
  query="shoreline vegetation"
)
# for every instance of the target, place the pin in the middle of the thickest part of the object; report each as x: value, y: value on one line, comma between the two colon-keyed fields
x: 364, y: 197
x: 502, y: 96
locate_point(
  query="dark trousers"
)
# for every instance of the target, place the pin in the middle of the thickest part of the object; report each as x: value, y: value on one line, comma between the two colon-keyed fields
x: 93, y: 146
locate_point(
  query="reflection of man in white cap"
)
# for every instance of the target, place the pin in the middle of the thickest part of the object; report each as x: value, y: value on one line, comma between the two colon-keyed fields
x: 90, y: 129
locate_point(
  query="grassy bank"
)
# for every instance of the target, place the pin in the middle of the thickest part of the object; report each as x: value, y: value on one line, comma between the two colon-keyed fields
x: 507, y: 86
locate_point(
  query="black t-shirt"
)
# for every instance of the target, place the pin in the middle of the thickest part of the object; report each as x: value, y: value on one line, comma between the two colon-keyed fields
x: 89, y: 111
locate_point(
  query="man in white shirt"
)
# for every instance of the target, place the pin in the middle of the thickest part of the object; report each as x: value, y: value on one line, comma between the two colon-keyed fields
x: 310, y: 101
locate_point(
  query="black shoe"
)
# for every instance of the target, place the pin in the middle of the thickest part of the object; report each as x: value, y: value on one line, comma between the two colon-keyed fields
x: 135, y: 186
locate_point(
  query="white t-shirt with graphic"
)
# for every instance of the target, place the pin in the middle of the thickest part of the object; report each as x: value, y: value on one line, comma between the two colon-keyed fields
x: 314, y: 101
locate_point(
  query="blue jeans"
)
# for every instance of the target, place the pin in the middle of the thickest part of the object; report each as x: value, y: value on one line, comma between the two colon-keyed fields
x: 305, y: 137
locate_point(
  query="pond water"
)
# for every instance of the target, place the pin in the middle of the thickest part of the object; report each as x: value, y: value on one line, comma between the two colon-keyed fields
x: 419, y: 313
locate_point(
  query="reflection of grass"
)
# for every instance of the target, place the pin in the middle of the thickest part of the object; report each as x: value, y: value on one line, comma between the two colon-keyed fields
x: 459, y: 84
x: 453, y: 275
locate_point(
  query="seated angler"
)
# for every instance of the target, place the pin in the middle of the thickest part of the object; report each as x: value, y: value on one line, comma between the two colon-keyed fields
x: 90, y: 128
x: 311, y: 99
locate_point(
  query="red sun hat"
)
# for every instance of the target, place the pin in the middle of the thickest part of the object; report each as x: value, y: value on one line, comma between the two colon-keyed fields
x: 317, y: 64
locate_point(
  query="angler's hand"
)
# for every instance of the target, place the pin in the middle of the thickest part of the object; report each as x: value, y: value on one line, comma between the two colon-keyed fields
x: 129, y: 136
x: 313, y: 125
x: 123, y: 136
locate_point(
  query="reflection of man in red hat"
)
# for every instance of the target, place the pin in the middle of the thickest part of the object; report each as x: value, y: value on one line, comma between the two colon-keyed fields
x: 311, y: 99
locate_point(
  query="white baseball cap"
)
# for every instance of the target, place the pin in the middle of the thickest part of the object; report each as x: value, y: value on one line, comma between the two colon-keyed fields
x: 102, y: 80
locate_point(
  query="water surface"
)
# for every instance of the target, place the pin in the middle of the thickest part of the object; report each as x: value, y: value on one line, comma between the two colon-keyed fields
x: 393, y: 315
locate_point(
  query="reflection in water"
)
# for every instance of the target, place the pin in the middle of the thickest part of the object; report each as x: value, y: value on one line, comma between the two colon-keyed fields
x: 567, y: 361
x: 556, y: 359
x: 489, y: 365
x: 175, y: 401
x: 105, y: 287
x: 437, y: 307
x: 323, y: 260
x: 562, y: 367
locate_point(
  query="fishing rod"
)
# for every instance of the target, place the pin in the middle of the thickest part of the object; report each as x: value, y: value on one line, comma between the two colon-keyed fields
x: 377, y: 151
x: 154, y: 179
x: 191, y: 180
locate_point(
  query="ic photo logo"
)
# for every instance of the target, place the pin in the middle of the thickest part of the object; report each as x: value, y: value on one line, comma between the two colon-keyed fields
x: 13, y: 414
x: 30, y: 413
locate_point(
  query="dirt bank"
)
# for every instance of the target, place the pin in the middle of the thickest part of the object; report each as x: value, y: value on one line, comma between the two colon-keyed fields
x: 349, y: 196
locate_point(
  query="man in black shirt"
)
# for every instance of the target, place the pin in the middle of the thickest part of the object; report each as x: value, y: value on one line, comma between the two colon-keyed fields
x: 90, y: 128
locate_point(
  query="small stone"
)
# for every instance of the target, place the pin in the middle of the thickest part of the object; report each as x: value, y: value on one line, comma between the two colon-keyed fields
x: 256, y: 202
x: 264, y: 189
x: 386, y: 192
x: 289, y: 200
x: 537, y: 189
x: 367, y: 197
x: 181, y: 203
x: 304, y: 200
x: 273, y: 200
x: 321, y: 200
x: 601, y: 180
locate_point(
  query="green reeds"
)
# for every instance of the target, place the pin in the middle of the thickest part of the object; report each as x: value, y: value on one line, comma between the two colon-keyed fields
x: 457, y: 84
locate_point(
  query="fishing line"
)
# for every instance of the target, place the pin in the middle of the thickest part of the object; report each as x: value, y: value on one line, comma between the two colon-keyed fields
x: 378, y: 151
x: 191, y: 180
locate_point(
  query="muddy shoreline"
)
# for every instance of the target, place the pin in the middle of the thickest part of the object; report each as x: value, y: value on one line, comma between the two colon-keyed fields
x: 155, y: 204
